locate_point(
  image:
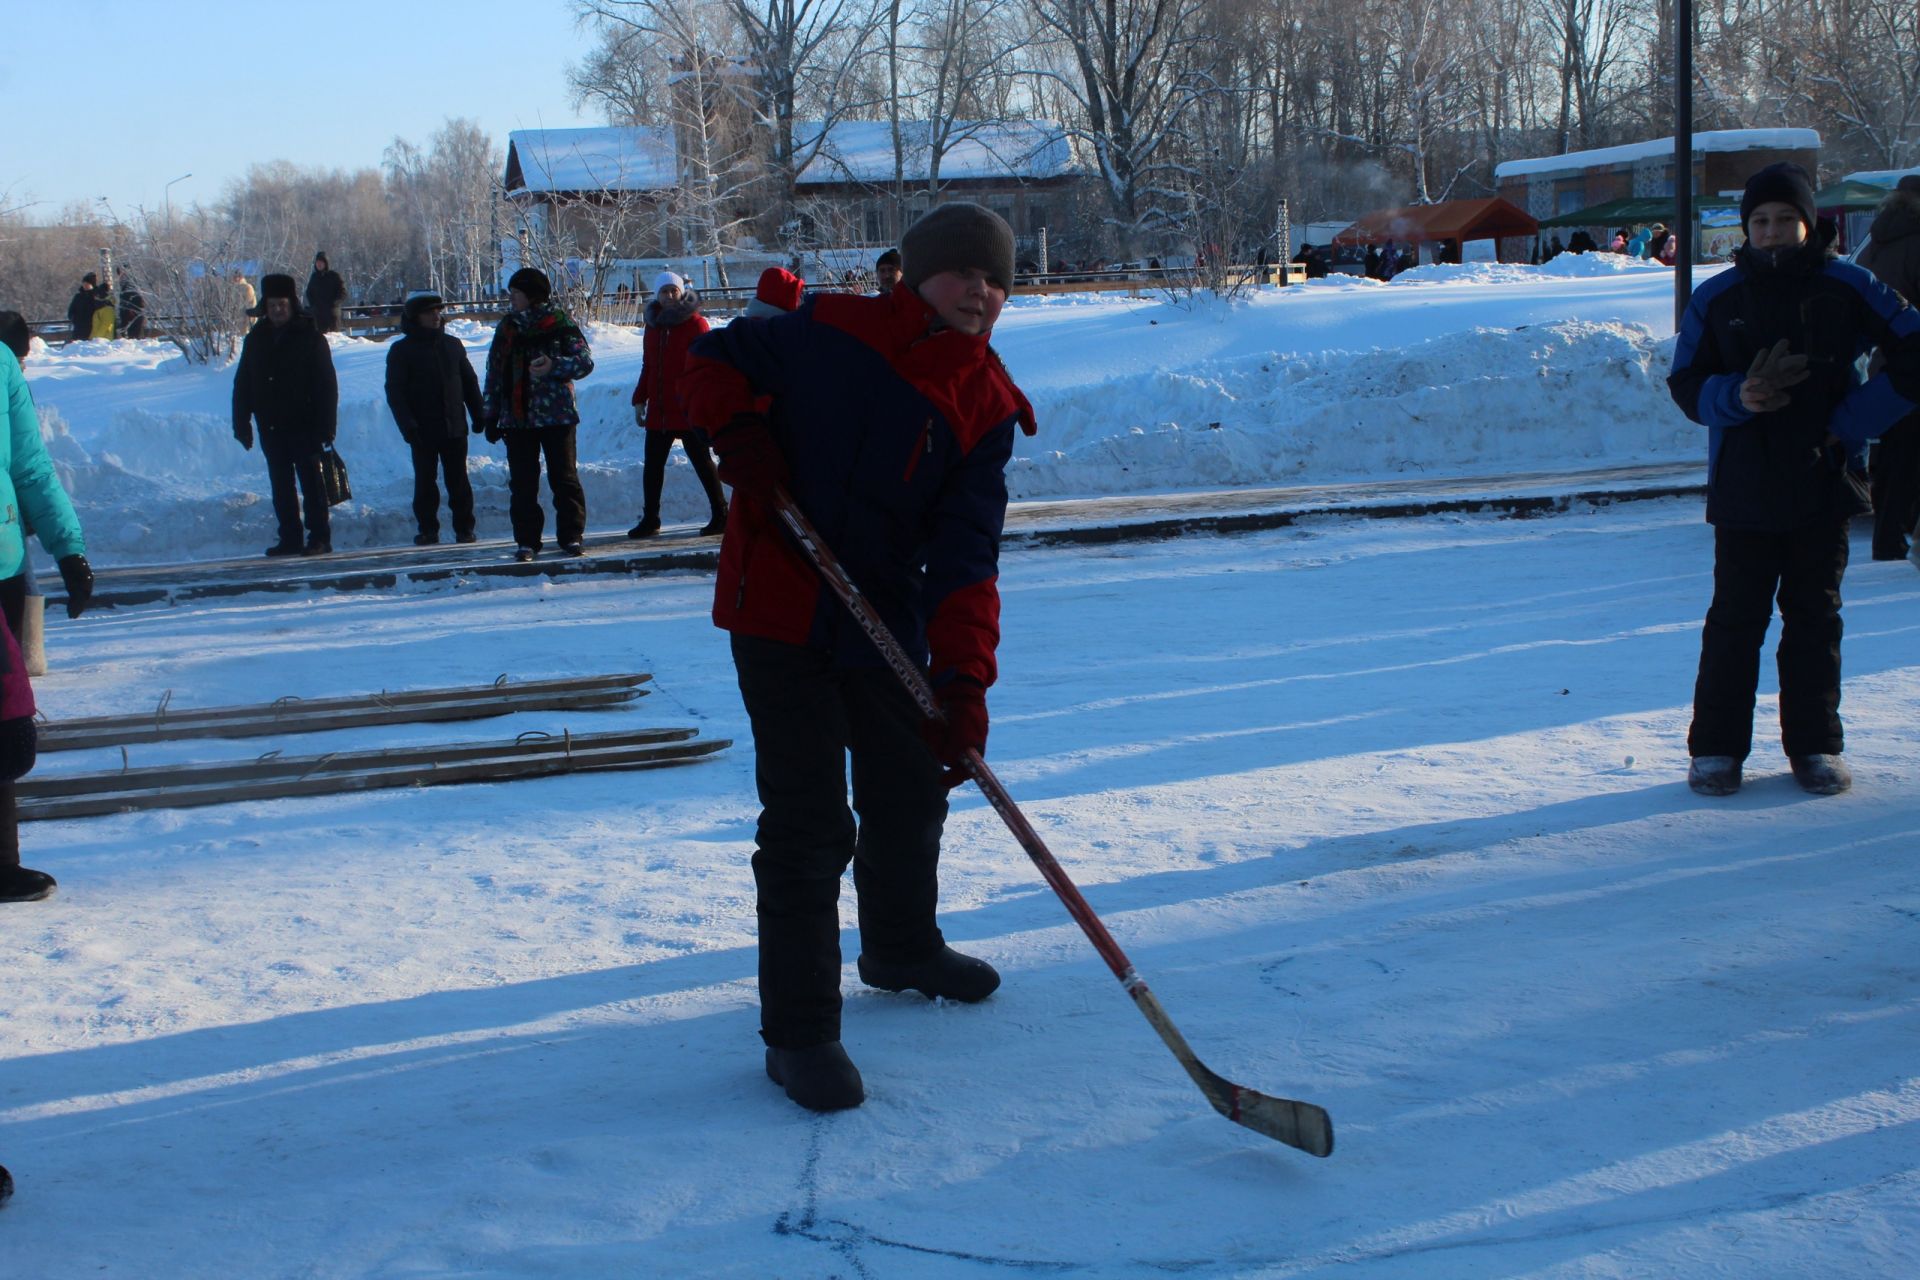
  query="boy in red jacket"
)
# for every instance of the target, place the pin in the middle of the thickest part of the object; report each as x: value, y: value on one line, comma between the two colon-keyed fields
x: 890, y: 421
x: 673, y: 322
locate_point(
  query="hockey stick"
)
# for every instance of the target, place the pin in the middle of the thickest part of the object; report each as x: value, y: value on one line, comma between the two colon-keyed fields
x: 1298, y: 1124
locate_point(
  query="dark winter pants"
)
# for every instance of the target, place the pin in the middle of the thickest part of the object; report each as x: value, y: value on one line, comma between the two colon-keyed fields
x: 1895, y: 477
x: 1803, y: 568
x: 288, y: 460
x: 17, y: 737
x: 448, y: 454
x: 654, y: 474
x: 808, y: 716
x: 524, y: 447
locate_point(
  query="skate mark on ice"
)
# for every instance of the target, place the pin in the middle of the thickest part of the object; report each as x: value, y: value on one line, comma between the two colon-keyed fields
x: 848, y: 1239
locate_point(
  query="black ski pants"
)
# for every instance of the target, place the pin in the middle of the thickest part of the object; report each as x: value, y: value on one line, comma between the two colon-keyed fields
x: 17, y: 738
x: 809, y: 717
x: 1802, y: 569
x: 441, y: 454
x: 653, y: 475
x: 524, y: 447
x: 290, y: 460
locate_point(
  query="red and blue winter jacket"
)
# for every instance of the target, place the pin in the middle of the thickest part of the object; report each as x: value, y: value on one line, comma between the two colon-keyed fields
x: 897, y: 438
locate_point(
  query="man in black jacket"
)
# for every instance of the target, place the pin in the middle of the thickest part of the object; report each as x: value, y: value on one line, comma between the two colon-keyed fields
x: 434, y: 394
x: 325, y: 292
x: 286, y: 381
x: 1765, y: 361
x: 1893, y: 255
x: 80, y: 309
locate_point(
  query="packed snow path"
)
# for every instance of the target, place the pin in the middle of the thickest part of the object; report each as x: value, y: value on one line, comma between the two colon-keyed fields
x: 1390, y: 813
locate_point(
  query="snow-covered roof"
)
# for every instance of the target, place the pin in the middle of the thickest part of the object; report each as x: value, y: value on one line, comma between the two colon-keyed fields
x: 1627, y: 153
x: 1887, y: 178
x: 862, y: 151
x: 611, y: 158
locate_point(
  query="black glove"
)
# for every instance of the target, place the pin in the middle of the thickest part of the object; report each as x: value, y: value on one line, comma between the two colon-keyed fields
x: 493, y: 432
x: 964, y: 703
x: 78, y: 575
x: 750, y: 459
x: 243, y: 432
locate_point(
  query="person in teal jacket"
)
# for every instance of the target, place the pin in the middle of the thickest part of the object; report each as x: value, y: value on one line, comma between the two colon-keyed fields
x: 29, y: 489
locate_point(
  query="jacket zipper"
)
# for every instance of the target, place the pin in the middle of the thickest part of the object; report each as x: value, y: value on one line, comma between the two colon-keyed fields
x: 919, y: 451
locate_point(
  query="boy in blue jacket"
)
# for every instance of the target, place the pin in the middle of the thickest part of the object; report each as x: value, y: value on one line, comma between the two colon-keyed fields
x: 1766, y: 361
x: 890, y: 422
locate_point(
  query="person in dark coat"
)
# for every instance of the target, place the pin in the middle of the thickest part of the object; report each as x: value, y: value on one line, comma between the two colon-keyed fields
x: 285, y: 381
x: 434, y: 396
x: 673, y: 321
x: 537, y: 354
x: 1893, y: 255
x: 133, y: 310
x: 80, y: 309
x: 1765, y: 361
x: 886, y: 272
x: 326, y: 290
x: 890, y: 421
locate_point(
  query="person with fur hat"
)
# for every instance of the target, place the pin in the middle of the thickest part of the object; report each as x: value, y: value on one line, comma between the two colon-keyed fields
x: 326, y: 290
x: 1892, y: 253
x: 673, y: 321
x: 1765, y: 360
x: 527, y: 400
x: 890, y: 421
x: 285, y: 381
x: 433, y: 394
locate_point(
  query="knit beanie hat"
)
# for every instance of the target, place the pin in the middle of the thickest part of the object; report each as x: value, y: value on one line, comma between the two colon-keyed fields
x: 421, y: 303
x: 779, y: 292
x: 532, y: 282
x: 666, y: 278
x: 891, y: 258
x: 1784, y: 182
x: 275, y: 285
x: 1910, y: 183
x: 954, y: 237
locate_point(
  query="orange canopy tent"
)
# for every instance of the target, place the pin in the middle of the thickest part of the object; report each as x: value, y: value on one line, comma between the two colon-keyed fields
x: 1461, y: 220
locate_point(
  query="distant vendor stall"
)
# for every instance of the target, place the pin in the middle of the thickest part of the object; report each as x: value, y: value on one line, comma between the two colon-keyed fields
x: 1443, y: 229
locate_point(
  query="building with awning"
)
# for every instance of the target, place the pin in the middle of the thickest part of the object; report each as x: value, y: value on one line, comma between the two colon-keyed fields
x: 1460, y: 221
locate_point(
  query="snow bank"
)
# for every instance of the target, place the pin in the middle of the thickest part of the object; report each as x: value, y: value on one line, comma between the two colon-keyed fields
x: 1569, y: 394
x: 1567, y: 266
x: 1474, y: 369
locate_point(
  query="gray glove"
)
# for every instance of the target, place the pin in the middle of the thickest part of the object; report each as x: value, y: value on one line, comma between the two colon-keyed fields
x: 1772, y: 372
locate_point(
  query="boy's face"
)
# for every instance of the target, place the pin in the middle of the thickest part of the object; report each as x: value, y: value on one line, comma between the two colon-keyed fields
x: 887, y: 275
x: 1775, y: 225
x: 965, y: 300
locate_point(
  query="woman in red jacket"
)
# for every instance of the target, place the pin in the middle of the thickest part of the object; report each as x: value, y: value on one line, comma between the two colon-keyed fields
x: 673, y: 321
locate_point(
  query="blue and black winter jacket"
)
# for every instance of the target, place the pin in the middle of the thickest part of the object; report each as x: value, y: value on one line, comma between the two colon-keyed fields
x: 1772, y: 472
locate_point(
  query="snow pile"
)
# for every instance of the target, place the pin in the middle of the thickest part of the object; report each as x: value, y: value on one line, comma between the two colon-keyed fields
x: 1567, y: 266
x: 1446, y: 405
x: 1478, y: 370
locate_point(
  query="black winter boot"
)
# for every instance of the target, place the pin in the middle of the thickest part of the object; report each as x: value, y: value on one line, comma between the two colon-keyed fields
x: 24, y: 884
x: 646, y: 528
x: 1714, y: 775
x: 1823, y: 775
x: 946, y: 975
x: 820, y: 1077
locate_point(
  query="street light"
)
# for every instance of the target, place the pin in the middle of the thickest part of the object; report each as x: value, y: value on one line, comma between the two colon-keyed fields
x: 166, y: 197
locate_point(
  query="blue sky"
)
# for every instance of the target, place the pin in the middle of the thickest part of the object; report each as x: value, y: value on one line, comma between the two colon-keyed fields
x: 119, y: 96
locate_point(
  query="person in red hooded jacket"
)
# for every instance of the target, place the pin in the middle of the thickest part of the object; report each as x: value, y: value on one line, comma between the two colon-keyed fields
x: 890, y: 422
x: 673, y: 321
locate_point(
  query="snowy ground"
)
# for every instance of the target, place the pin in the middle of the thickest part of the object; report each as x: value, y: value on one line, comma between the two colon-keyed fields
x: 1480, y: 369
x: 1391, y: 815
